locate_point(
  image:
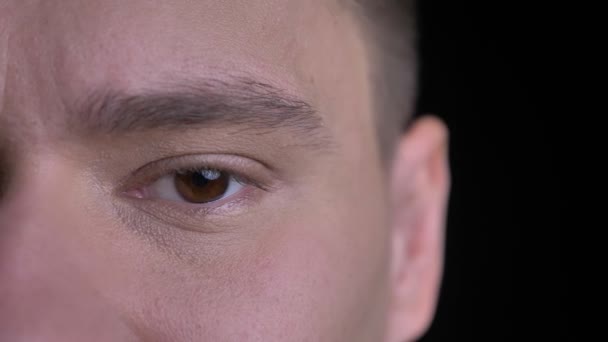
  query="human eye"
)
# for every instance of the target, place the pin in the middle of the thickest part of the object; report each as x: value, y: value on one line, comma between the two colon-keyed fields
x: 201, y: 183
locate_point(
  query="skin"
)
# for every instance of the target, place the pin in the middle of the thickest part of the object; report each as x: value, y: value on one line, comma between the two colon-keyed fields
x: 339, y: 245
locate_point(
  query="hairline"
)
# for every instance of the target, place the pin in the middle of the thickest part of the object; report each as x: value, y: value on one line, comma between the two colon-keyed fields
x: 389, y: 28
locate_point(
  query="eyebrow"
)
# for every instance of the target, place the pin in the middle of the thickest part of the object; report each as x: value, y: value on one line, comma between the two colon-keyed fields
x: 237, y: 102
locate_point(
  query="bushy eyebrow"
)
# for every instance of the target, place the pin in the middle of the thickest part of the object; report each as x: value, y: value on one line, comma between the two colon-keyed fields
x: 240, y: 102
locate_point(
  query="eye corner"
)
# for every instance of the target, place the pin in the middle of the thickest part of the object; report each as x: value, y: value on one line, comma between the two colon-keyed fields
x: 136, y: 193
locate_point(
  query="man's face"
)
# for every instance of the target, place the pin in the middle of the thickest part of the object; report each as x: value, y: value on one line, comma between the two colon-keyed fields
x: 189, y: 170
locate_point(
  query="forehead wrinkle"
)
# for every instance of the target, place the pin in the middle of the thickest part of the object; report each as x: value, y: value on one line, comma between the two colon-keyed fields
x: 106, y: 53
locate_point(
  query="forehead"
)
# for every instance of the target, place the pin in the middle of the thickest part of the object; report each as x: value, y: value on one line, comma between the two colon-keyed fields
x: 56, y: 51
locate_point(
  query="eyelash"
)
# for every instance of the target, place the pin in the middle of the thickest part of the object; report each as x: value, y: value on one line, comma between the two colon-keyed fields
x: 231, y: 165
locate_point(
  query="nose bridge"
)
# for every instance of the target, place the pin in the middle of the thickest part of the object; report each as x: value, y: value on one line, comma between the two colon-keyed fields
x: 35, y: 253
x: 46, y: 289
x: 52, y: 287
x: 37, y: 257
x: 28, y: 215
x: 37, y: 277
x: 32, y: 238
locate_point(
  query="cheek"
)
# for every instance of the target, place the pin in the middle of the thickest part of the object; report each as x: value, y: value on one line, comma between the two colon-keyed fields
x: 323, y: 286
x: 299, y: 286
x: 315, y: 277
x: 321, y: 274
x: 318, y: 274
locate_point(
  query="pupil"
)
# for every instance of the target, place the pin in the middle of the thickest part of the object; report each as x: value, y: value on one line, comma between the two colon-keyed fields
x: 199, y: 180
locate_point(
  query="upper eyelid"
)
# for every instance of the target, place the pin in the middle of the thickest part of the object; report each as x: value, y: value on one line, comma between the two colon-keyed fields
x: 237, y: 166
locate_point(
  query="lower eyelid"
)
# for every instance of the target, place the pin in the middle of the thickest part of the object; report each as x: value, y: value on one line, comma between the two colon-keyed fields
x: 189, y: 214
x: 149, y: 214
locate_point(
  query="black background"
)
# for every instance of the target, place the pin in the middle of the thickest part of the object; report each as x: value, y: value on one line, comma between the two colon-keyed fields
x: 485, y: 70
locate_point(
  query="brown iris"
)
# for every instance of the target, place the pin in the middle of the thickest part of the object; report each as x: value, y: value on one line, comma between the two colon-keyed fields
x: 202, y: 186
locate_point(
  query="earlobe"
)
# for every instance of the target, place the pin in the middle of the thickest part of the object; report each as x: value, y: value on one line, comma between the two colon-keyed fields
x: 419, y: 193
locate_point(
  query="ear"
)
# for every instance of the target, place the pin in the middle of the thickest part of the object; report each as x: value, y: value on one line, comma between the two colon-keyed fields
x: 419, y: 194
